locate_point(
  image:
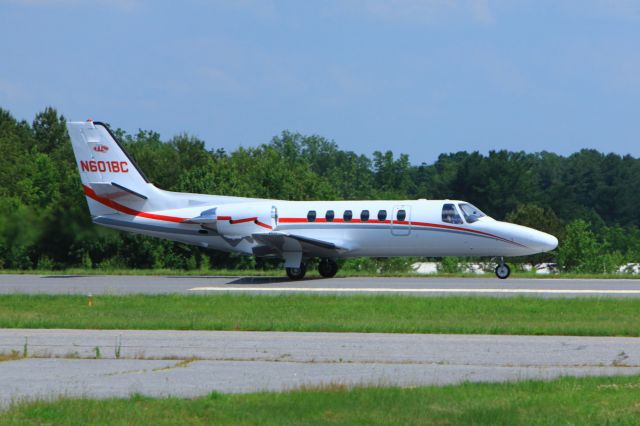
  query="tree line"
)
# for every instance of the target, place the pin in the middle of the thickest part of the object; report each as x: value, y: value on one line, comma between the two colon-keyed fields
x: 588, y: 199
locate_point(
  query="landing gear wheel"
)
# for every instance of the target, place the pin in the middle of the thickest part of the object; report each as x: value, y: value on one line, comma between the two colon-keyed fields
x: 328, y: 268
x: 503, y: 271
x: 297, y: 273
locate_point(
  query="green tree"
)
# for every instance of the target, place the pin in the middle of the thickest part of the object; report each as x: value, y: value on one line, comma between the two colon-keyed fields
x: 44, y: 218
x: 49, y: 130
x: 536, y: 217
x: 580, y: 251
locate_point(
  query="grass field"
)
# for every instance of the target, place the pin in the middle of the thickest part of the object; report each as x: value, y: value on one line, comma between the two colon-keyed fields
x: 567, y: 401
x: 299, y: 312
x: 310, y: 273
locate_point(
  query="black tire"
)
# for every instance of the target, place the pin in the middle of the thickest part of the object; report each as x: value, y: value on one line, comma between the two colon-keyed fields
x: 328, y: 268
x: 296, y: 273
x: 503, y: 271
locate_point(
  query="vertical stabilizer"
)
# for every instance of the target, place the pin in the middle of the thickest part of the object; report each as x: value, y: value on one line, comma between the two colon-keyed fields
x: 106, y: 170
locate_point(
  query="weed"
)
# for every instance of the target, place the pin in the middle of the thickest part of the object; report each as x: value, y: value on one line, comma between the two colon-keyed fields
x: 118, y: 346
x: 11, y: 356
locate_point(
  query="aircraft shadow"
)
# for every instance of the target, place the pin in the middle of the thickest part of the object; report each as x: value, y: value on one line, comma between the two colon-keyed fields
x: 244, y: 280
x: 65, y: 276
x: 259, y: 280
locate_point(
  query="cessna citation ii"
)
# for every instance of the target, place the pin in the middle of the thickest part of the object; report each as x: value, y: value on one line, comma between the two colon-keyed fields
x: 121, y: 197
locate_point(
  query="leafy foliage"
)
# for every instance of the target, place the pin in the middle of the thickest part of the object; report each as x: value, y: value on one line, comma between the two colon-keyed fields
x: 587, y: 199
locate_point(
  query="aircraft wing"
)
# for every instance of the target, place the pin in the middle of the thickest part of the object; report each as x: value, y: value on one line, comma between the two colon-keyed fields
x: 278, y: 243
x: 207, y: 217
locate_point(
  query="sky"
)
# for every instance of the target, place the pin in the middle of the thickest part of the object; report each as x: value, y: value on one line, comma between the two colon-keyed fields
x: 421, y: 77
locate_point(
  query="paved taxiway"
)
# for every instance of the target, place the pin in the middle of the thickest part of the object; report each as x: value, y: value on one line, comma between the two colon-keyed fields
x: 427, y: 286
x: 191, y: 363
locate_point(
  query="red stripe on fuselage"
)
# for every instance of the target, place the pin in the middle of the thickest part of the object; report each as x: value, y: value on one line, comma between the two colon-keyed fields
x: 126, y: 210
x: 412, y: 223
x: 292, y: 220
x: 457, y: 228
x: 245, y: 220
x: 323, y: 220
x: 264, y: 225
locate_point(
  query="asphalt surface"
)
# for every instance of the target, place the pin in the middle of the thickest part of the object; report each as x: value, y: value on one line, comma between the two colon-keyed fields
x: 427, y: 286
x: 192, y: 363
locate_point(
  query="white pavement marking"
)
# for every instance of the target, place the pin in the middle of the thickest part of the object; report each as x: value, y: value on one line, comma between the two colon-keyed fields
x: 414, y: 290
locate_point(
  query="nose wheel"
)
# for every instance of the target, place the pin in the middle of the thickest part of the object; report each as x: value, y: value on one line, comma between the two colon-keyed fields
x: 502, y: 270
x: 297, y: 273
x: 328, y: 268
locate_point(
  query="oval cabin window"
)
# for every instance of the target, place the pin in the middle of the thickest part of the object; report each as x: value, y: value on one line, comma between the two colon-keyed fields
x: 329, y: 216
x: 311, y: 216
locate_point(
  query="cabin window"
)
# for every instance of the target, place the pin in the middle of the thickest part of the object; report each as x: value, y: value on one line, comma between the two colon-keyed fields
x: 450, y: 214
x: 364, y: 215
x: 401, y: 215
x: 382, y: 215
x: 311, y: 216
x: 347, y: 216
x: 330, y: 215
x: 470, y: 212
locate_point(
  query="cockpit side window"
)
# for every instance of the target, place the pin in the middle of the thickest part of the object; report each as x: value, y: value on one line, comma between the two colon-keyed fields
x: 470, y: 212
x: 450, y: 214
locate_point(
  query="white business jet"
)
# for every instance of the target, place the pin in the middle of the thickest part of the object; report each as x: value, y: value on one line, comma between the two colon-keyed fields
x: 121, y: 197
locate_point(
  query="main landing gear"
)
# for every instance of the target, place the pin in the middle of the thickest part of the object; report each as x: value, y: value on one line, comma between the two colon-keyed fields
x: 502, y: 270
x: 297, y: 273
x: 327, y: 269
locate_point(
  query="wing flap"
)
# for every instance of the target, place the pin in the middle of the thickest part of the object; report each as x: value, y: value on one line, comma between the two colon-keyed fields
x: 281, y: 242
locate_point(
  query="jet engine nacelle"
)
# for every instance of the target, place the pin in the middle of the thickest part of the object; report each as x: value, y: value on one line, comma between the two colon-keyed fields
x: 241, y: 220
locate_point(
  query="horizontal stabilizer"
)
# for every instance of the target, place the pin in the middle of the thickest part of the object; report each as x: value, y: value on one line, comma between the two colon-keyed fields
x: 114, y: 191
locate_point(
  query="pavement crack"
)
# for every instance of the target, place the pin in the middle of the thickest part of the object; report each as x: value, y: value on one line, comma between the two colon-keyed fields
x: 180, y: 364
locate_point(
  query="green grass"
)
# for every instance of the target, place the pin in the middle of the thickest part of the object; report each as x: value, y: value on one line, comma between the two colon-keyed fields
x: 332, y: 313
x: 310, y: 273
x: 566, y: 401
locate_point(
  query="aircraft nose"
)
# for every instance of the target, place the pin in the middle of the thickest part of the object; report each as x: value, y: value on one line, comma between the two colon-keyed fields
x: 541, y: 241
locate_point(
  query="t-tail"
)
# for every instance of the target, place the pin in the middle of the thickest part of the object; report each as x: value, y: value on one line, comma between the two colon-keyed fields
x: 111, y: 180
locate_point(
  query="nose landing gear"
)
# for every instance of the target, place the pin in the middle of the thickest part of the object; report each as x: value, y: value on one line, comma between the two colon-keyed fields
x: 502, y: 270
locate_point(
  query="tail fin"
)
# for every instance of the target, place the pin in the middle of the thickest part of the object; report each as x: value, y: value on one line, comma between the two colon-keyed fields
x: 106, y: 170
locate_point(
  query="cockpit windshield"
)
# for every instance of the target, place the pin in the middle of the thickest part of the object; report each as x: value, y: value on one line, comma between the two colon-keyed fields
x: 470, y: 212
